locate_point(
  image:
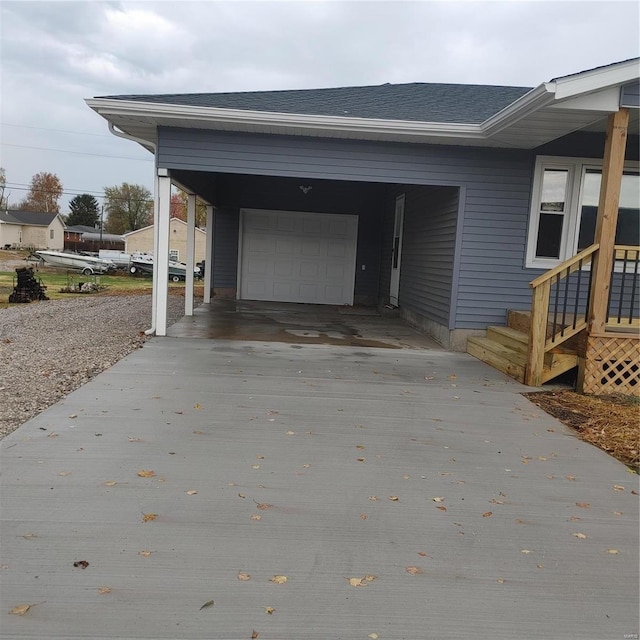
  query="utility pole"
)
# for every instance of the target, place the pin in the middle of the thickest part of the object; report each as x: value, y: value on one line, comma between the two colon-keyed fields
x: 101, y: 222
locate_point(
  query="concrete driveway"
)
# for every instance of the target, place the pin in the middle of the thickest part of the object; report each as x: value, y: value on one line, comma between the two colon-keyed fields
x: 402, y: 493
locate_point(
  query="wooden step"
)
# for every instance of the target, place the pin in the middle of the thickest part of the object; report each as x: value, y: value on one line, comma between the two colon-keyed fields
x: 509, y: 337
x: 501, y: 357
x: 519, y: 319
x: 513, y: 361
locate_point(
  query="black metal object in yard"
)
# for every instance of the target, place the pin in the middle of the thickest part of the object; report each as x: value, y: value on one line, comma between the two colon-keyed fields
x: 27, y: 288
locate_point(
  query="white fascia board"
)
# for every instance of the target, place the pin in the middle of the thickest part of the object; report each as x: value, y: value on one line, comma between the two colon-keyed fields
x: 605, y: 100
x: 597, y: 79
x: 158, y: 112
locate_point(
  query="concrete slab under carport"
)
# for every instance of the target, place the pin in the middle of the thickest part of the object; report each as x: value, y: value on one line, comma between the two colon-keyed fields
x: 250, y: 424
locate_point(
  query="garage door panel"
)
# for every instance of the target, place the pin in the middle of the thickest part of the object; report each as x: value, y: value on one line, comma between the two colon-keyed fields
x: 298, y: 257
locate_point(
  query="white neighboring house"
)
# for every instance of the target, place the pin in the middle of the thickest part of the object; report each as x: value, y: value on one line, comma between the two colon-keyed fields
x: 31, y: 229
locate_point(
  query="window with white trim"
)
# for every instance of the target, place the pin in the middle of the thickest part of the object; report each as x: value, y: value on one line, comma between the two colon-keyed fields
x: 564, y: 206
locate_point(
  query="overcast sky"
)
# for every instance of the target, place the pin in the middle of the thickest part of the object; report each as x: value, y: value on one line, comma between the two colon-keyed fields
x: 55, y: 54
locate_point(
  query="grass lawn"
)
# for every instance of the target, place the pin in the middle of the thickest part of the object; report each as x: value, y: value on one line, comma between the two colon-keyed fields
x: 56, y: 279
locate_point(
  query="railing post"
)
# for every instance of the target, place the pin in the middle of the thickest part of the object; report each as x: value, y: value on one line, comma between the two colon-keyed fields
x: 607, y: 219
x: 537, y: 334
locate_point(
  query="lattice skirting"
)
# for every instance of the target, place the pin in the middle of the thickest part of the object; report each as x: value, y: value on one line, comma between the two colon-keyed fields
x: 612, y: 365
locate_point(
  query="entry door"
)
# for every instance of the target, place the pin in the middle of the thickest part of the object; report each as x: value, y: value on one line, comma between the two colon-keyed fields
x: 396, y: 251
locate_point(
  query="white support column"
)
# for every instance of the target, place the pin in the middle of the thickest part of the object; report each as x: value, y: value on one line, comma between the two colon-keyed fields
x: 161, y: 258
x: 154, y: 295
x: 208, y: 260
x: 191, y: 250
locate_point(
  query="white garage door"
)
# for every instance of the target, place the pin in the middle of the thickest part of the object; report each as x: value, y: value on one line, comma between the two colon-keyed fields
x: 297, y: 257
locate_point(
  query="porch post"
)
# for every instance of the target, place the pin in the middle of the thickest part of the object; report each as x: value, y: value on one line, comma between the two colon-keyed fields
x: 154, y: 291
x: 161, y: 258
x: 208, y: 264
x: 607, y: 219
x: 191, y: 249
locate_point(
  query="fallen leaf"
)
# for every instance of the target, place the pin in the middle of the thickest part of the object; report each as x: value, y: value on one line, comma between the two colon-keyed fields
x: 191, y: 492
x: 363, y: 516
x: 20, y: 610
x: 206, y: 605
x: 135, y: 440
x: 241, y: 495
x: 361, y: 459
x: 583, y: 505
x: 570, y: 477
x: 500, y: 581
x: 526, y: 551
x: 518, y: 521
x: 254, y: 635
x: 306, y: 466
x: 83, y: 564
x: 146, y: 473
x: 360, y: 446
x: 145, y: 553
x: 540, y: 566
x: 581, y: 536
x: 373, y: 498
x: 244, y: 577
x: 278, y: 579
x: 200, y: 433
x: 618, y: 487
x: 612, y: 551
x: 422, y: 553
x: 373, y: 636
x: 260, y: 457
x: 197, y: 407
x: 269, y: 610
x: 53, y: 434
x: 256, y: 516
x: 256, y: 466
x: 440, y: 499
x: 634, y: 492
x: 146, y: 517
x: 494, y: 501
x: 441, y: 507
x: 414, y: 571
x: 617, y: 513
x: 394, y: 498
x: 357, y: 582
x: 291, y: 433
x: 29, y: 536
x: 73, y: 415
x: 487, y: 514
x: 103, y: 590
x: 406, y: 476
x: 263, y: 506
x: 370, y: 578
x: 65, y: 473
x: 574, y: 519
x: 110, y: 483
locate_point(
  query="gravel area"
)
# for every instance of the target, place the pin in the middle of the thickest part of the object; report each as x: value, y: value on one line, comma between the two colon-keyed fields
x: 48, y: 349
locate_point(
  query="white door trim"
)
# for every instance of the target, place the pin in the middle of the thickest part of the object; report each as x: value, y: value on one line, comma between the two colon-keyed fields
x: 396, y: 250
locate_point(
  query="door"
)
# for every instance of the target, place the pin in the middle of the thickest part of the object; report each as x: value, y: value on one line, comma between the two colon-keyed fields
x: 396, y: 251
x: 297, y: 257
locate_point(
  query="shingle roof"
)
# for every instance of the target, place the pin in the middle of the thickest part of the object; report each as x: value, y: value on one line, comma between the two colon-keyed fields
x: 35, y: 218
x: 420, y: 102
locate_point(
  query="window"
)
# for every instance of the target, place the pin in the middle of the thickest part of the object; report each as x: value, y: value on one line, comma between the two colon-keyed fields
x: 564, y: 208
x: 174, y: 254
x: 51, y: 234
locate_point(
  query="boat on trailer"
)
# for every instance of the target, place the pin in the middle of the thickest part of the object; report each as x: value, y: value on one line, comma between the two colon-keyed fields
x: 88, y: 265
x: 143, y: 263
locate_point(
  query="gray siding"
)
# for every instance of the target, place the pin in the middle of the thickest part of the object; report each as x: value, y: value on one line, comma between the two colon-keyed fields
x: 225, y: 251
x: 630, y: 95
x: 428, y: 250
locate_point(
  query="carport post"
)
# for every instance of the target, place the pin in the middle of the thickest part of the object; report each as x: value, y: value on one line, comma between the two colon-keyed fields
x: 191, y: 248
x: 208, y: 265
x: 161, y: 259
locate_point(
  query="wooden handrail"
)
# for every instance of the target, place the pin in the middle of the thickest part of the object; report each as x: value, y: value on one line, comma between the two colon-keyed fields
x: 571, y: 264
x: 621, y: 248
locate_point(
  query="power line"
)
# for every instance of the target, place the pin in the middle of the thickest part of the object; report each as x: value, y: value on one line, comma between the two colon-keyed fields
x: 78, y: 133
x: 81, y: 153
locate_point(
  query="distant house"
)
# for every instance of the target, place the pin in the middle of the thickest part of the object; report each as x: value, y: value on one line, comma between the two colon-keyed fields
x: 31, y: 229
x: 82, y: 237
x: 142, y: 240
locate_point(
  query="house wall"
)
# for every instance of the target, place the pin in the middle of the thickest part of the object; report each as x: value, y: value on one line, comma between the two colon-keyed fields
x: 37, y: 237
x: 284, y: 194
x: 57, y: 242
x: 142, y: 240
x: 489, y: 276
x: 10, y: 234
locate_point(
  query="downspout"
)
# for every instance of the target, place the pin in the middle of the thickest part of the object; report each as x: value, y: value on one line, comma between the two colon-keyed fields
x: 154, y: 146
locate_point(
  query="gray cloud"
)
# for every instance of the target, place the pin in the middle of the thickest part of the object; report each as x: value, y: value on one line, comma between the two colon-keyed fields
x: 55, y: 54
